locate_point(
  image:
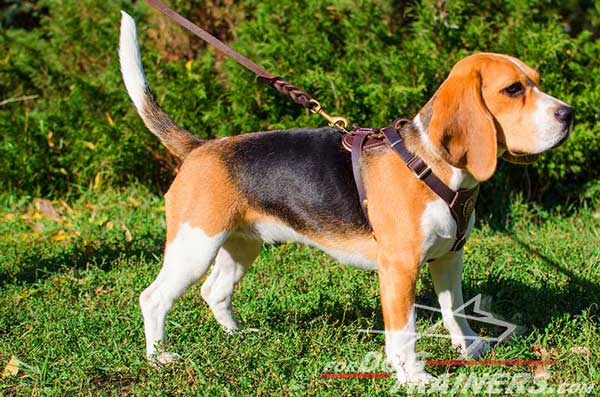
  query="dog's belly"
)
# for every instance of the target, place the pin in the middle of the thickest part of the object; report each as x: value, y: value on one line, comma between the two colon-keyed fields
x: 271, y: 232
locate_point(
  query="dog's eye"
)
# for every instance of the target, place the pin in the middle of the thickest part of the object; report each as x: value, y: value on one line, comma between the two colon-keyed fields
x: 513, y: 90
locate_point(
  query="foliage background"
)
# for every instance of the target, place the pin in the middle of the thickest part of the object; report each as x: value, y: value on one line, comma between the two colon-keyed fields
x: 73, y: 273
x: 369, y: 60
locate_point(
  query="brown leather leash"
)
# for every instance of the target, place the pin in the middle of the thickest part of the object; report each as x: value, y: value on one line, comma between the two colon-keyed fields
x: 460, y: 203
x: 297, y: 95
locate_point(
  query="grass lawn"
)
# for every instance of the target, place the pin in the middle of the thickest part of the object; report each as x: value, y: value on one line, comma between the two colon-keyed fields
x: 69, y: 313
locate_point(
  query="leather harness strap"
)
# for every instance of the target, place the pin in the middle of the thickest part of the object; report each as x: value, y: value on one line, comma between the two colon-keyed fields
x: 361, y: 135
x: 460, y: 203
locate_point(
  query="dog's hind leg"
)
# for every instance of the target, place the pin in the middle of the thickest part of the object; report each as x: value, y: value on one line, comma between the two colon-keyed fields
x: 201, y: 209
x: 232, y: 261
x: 187, y: 258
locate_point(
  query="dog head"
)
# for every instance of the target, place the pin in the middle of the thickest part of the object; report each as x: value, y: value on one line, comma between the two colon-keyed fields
x: 491, y: 105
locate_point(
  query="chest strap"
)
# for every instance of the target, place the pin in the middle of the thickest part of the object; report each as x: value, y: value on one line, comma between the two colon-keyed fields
x: 461, y: 203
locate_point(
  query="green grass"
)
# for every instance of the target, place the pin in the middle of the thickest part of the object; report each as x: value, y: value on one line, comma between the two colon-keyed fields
x: 69, y: 311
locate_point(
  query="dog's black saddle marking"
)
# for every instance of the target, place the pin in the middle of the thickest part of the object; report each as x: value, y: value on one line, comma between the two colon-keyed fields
x: 302, y: 176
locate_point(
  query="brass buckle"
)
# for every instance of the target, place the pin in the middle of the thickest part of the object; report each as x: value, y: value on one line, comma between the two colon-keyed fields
x: 421, y: 174
x: 334, y: 121
x: 424, y: 173
x: 411, y: 160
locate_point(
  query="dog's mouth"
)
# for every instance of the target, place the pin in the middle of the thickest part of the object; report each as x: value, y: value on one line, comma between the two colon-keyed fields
x: 564, y: 138
x: 526, y: 158
x: 520, y: 158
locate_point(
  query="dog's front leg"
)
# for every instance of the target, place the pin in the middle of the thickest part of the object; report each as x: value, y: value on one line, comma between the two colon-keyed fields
x: 446, y: 273
x: 397, y: 277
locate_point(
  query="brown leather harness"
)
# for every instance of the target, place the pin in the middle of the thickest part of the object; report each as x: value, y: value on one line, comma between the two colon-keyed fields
x: 460, y: 203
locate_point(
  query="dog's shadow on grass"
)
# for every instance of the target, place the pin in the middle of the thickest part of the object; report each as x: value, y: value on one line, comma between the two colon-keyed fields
x: 512, y: 300
x: 539, y: 306
x: 515, y: 301
x: 41, y: 262
x: 530, y: 306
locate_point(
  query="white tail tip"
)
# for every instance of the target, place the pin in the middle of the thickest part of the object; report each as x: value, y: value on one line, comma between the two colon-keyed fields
x: 131, y: 61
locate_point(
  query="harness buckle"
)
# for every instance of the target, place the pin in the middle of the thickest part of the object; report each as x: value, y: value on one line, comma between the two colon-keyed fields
x: 421, y: 174
x: 411, y: 160
x: 424, y: 173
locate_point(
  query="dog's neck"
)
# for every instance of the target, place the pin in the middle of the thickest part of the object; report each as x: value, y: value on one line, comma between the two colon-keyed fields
x: 416, y: 136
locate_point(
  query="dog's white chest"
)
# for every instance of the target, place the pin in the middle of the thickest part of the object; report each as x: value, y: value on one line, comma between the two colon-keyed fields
x: 438, y: 229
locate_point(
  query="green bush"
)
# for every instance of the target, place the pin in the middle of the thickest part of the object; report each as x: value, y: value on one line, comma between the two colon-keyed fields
x: 370, y: 61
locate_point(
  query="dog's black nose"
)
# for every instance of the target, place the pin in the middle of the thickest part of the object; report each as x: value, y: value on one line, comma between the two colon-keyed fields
x: 565, y: 114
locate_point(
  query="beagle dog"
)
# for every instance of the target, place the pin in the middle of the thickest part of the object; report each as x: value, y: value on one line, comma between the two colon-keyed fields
x: 232, y: 194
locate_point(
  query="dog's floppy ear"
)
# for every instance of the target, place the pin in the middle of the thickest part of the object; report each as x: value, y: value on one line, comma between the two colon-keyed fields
x: 462, y: 129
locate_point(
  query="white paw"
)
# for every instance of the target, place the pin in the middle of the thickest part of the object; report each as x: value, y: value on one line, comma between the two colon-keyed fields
x: 227, y: 321
x: 231, y: 330
x: 477, y: 349
x: 416, y: 378
x: 411, y: 373
x: 163, y: 358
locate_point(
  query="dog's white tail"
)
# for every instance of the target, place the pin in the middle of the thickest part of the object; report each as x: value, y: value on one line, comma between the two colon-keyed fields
x: 177, y: 139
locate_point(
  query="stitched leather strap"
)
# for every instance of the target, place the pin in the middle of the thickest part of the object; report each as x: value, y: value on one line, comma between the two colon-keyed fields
x: 360, y: 137
x: 262, y: 76
x: 461, y: 203
x: 370, y: 142
x: 302, y: 98
x: 417, y: 165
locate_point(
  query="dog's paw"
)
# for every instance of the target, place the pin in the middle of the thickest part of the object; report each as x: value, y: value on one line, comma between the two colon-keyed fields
x: 412, y: 379
x: 477, y: 349
x: 228, y: 321
x: 240, y: 331
x: 163, y: 358
x: 411, y: 373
